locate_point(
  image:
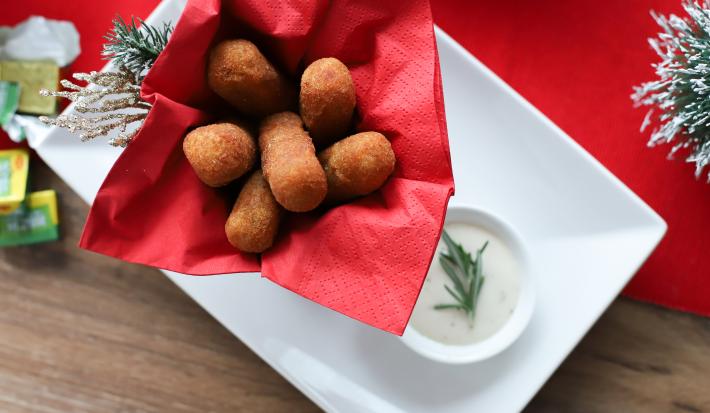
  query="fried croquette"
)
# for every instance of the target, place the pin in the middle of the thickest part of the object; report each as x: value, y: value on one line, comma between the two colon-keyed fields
x: 220, y: 153
x: 254, y: 221
x: 289, y: 162
x: 357, y: 165
x: 241, y: 75
x: 327, y: 100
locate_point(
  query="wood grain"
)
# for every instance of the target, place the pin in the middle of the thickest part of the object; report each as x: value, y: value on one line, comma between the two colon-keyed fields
x: 637, y: 358
x: 81, y: 332
x: 84, y: 333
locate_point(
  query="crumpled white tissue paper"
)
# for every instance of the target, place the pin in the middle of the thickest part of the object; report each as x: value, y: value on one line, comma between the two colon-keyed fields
x: 39, y: 38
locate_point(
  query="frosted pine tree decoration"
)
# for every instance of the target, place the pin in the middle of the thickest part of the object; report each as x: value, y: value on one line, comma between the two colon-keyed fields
x: 679, y: 100
x: 135, y: 46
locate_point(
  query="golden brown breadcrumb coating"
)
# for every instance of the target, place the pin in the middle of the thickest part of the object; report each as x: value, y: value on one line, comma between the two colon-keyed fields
x: 254, y: 222
x: 220, y: 153
x: 357, y: 165
x: 289, y: 162
x: 241, y: 75
x: 327, y: 100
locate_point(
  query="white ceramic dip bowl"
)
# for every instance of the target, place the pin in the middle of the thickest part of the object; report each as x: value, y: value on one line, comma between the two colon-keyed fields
x: 522, y: 312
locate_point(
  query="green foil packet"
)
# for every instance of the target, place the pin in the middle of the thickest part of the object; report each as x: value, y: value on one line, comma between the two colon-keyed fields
x: 35, y: 221
x: 9, y: 101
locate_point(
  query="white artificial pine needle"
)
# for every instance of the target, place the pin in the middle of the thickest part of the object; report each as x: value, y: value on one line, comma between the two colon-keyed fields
x: 682, y: 91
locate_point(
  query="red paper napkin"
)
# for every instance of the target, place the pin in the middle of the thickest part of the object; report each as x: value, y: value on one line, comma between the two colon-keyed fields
x: 577, y: 61
x: 366, y: 259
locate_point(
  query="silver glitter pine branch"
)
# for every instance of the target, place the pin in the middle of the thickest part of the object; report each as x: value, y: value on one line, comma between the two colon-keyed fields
x: 114, y: 97
x: 679, y: 100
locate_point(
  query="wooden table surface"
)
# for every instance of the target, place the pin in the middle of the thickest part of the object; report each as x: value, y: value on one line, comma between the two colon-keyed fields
x: 84, y: 333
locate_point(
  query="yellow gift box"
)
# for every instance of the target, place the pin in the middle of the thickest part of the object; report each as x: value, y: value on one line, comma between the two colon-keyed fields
x: 32, y: 76
x: 14, y: 170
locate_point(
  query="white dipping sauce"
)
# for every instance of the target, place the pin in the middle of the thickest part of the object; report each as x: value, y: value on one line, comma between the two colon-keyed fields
x: 497, y: 299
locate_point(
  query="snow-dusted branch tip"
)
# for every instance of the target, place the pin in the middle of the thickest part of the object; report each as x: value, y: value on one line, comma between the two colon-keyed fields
x: 681, y: 94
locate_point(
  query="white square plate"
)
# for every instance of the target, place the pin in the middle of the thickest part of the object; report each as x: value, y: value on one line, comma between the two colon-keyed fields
x: 588, y: 235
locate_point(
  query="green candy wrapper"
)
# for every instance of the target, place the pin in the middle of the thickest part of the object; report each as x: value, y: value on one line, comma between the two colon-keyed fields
x: 9, y: 101
x: 35, y: 221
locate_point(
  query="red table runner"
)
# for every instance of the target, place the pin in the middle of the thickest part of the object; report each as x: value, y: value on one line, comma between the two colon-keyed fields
x: 576, y: 61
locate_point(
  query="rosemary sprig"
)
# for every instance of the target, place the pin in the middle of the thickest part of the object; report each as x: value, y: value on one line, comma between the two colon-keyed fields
x: 133, y: 47
x: 465, y: 273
